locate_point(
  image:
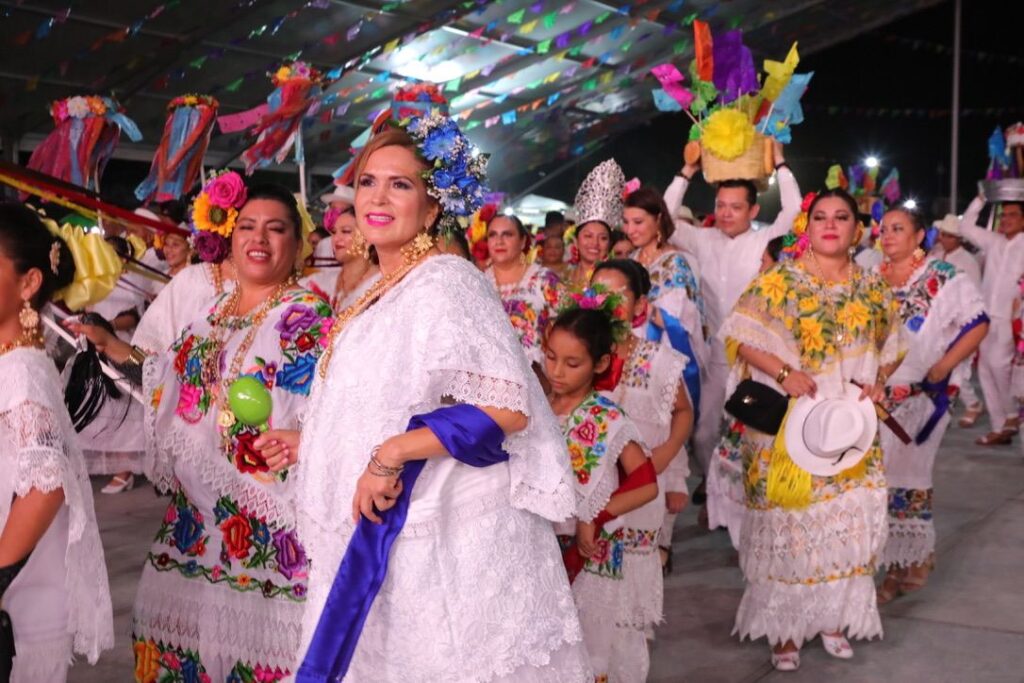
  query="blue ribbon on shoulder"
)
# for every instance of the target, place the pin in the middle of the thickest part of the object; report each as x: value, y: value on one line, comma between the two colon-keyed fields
x: 937, y: 391
x: 679, y: 338
x: 471, y: 437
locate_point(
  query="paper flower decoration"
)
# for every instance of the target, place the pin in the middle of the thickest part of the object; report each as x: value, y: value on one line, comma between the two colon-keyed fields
x: 727, y: 134
x: 599, y: 298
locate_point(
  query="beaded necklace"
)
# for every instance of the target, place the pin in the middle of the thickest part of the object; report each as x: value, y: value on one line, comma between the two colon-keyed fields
x: 223, y: 326
x: 826, y: 294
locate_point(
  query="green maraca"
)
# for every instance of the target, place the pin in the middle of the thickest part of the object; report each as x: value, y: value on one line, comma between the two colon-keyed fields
x: 250, y: 402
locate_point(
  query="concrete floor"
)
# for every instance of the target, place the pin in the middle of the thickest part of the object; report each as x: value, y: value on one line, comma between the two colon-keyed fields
x: 966, y: 625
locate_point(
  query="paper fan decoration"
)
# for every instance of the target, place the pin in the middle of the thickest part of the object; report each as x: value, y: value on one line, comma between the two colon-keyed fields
x: 179, y: 157
x: 87, y: 131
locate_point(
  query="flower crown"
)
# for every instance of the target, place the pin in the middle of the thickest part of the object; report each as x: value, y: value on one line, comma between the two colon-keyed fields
x: 456, y: 170
x: 192, y: 101
x: 82, y: 107
x: 295, y: 71
x: 215, y: 212
x: 597, y: 297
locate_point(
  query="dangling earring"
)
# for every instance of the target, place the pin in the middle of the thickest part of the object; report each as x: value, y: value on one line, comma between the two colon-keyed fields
x: 919, y: 254
x: 522, y: 259
x: 420, y: 245
x: 358, y: 246
x: 29, y: 320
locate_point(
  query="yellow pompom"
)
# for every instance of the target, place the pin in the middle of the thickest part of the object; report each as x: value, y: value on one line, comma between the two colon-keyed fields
x: 727, y: 134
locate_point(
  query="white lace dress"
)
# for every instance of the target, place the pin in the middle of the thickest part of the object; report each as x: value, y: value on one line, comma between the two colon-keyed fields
x: 809, y: 559
x: 224, y: 582
x: 936, y: 304
x: 651, y: 380
x: 60, y: 601
x: 475, y: 588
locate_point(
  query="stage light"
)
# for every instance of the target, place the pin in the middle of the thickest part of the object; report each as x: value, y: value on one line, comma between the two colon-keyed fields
x: 910, y: 204
x: 509, y: 211
x: 871, y: 161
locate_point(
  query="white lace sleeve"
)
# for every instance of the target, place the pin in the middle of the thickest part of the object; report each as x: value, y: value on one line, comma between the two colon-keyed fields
x: 39, y: 443
x: 476, y: 358
x: 35, y: 444
x: 157, y: 465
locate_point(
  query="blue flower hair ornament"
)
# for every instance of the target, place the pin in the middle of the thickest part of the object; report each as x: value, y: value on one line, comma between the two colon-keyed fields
x: 456, y: 172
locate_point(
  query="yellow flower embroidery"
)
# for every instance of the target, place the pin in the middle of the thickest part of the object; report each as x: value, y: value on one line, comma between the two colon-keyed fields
x: 789, y: 322
x: 853, y: 316
x: 809, y: 304
x: 810, y: 335
x: 875, y: 296
x: 773, y: 286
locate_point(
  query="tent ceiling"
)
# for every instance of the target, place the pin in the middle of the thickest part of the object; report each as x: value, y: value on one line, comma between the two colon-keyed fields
x: 544, y: 79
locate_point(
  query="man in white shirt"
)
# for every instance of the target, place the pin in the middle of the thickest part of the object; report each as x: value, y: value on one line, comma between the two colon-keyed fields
x: 1004, y: 265
x: 728, y: 257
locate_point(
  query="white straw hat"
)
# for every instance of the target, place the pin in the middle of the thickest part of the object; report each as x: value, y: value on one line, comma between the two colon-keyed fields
x: 342, y: 194
x: 825, y: 436
x: 949, y: 225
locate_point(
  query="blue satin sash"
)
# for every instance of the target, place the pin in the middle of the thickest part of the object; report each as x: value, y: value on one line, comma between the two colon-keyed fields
x: 471, y: 437
x: 679, y: 338
x: 937, y: 391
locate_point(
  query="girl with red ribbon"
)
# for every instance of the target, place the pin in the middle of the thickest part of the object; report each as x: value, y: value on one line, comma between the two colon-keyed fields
x: 613, y: 476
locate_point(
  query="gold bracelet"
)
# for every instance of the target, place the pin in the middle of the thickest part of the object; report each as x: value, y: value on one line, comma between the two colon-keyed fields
x: 783, y: 374
x: 137, y: 356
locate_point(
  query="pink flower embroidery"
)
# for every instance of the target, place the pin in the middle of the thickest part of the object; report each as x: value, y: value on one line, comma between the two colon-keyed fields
x: 188, y: 403
x: 586, y: 433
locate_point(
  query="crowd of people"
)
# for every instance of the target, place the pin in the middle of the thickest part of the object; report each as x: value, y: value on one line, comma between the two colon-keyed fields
x: 414, y: 463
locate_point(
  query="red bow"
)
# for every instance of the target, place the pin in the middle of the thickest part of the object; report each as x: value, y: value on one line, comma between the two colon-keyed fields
x: 609, y: 379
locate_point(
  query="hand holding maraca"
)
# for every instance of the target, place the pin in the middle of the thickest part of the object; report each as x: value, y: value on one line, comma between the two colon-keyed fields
x: 251, y: 404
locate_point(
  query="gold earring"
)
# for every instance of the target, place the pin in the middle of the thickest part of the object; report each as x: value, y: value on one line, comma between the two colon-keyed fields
x: 919, y: 254
x: 29, y: 319
x: 522, y: 259
x: 358, y: 246
x: 420, y: 245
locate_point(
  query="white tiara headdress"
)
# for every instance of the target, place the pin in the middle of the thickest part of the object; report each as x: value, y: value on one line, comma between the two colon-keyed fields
x: 600, y: 196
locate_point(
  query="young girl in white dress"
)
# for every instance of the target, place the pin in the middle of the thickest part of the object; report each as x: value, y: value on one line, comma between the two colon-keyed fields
x: 614, y: 476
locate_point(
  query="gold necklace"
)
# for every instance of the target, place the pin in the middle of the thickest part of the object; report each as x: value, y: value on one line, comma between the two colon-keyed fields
x: 23, y: 342
x: 223, y: 326
x: 841, y: 330
x: 369, y: 298
x: 915, y: 262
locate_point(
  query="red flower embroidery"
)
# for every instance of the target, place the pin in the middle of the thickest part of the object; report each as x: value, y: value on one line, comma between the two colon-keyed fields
x: 237, y: 532
x: 181, y: 358
x: 247, y: 458
x: 305, y: 342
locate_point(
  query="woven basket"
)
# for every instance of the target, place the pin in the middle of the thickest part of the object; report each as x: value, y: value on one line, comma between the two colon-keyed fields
x: 748, y: 166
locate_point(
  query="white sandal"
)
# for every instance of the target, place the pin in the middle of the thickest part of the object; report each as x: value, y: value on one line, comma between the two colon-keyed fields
x: 786, y: 661
x: 118, y: 485
x: 837, y: 646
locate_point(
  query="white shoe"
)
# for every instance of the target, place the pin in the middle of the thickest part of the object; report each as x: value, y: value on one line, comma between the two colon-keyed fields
x: 118, y: 485
x: 786, y: 661
x: 837, y: 646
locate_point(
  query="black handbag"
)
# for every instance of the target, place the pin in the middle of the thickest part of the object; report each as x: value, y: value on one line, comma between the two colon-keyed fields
x: 758, y: 406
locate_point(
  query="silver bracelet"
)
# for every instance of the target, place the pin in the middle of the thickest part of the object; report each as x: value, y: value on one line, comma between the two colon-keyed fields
x: 382, y: 470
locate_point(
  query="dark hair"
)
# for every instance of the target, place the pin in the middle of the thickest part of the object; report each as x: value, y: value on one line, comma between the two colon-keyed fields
x: 552, y: 218
x: 579, y: 228
x: 320, y: 232
x: 175, y: 209
x: 838, y: 193
x: 916, y: 219
x: 279, y: 193
x: 618, y: 236
x: 747, y: 185
x: 775, y: 247
x: 459, y: 238
x: 121, y: 246
x: 636, y: 275
x: 590, y: 326
x: 26, y: 241
x: 1018, y: 204
x: 520, y: 228
x: 650, y: 200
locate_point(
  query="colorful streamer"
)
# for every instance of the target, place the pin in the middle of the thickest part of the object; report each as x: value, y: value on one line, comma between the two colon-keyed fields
x: 179, y: 157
